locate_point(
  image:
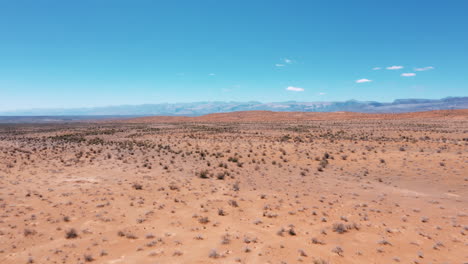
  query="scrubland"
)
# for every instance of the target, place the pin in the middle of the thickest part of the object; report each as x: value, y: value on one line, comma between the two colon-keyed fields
x: 323, y: 191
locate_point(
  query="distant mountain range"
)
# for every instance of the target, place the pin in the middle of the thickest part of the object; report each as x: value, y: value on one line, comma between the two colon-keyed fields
x: 202, y: 108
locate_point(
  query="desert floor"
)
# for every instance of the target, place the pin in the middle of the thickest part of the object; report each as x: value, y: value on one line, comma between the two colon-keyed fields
x: 336, y: 191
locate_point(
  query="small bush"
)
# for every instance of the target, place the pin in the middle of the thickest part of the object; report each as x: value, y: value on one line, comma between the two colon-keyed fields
x: 137, y: 186
x: 214, y: 254
x: 88, y: 258
x: 203, y: 220
x: 204, y: 174
x: 339, y: 228
x: 71, y: 233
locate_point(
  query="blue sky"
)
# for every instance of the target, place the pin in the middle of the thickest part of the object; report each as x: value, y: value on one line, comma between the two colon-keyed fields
x: 56, y: 53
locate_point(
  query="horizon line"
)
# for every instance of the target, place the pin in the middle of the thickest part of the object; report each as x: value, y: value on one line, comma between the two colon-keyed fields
x: 217, y: 101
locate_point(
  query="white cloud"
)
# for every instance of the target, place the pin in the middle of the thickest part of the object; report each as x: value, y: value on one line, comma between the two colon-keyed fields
x: 211, y: 74
x: 424, y: 68
x: 295, y: 89
x: 284, y: 62
x: 409, y: 74
x: 376, y: 68
x: 363, y: 80
x: 322, y: 93
x: 395, y: 68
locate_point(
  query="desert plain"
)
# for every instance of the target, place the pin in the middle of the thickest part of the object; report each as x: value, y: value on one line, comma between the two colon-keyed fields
x: 250, y: 187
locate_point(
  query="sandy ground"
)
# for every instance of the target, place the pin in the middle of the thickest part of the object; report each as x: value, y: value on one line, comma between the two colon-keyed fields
x: 358, y: 190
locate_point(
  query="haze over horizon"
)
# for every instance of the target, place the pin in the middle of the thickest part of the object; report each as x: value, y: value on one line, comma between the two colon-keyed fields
x: 104, y: 53
x: 203, y: 108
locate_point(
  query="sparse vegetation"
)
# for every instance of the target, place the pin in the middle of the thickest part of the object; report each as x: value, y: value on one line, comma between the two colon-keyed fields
x: 260, y: 192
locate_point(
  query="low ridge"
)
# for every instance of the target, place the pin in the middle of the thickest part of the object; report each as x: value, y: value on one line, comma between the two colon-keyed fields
x: 270, y: 116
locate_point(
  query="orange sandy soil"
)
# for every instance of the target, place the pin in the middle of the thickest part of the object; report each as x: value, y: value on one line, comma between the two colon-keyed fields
x: 250, y: 187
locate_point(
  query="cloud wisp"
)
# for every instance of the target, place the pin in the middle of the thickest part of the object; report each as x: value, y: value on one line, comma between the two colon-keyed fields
x: 284, y: 62
x: 395, y: 68
x: 376, y: 68
x: 408, y: 74
x: 295, y: 89
x: 363, y: 80
x: 424, y: 68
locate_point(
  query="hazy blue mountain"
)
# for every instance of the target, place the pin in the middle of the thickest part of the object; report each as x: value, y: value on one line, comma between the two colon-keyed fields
x: 202, y: 108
